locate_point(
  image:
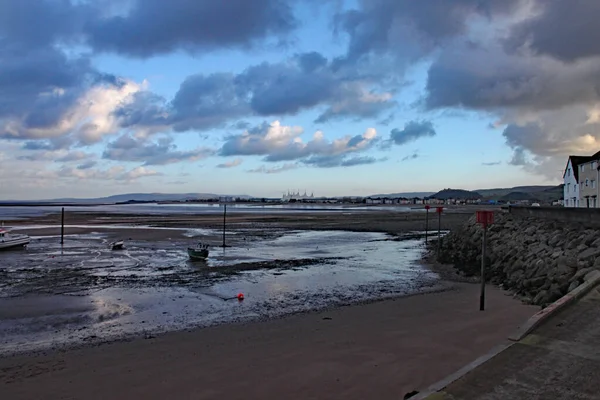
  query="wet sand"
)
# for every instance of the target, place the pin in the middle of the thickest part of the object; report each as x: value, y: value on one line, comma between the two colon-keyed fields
x: 391, y: 222
x: 375, y: 351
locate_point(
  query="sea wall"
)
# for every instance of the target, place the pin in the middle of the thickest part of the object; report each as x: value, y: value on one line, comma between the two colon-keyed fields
x: 588, y: 217
x: 539, y: 259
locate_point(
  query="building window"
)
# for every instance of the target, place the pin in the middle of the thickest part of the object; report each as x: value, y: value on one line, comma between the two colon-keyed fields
x: 582, y: 167
x: 587, y: 182
x: 593, y: 164
x: 593, y: 184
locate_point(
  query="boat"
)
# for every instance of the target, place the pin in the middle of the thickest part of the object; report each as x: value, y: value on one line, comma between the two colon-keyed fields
x: 200, y: 252
x: 118, y: 245
x: 9, y: 240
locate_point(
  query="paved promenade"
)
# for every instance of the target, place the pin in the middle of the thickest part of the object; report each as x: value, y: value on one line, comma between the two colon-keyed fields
x: 559, y: 360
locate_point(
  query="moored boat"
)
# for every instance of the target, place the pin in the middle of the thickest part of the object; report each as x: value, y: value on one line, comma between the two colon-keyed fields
x: 118, y: 245
x: 9, y: 240
x: 200, y: 252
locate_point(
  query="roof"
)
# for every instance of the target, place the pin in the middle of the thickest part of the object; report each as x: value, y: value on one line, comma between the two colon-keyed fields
x: 578, y: 160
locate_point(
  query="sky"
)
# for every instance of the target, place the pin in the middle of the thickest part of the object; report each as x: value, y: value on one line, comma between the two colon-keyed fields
x: 335, y: 97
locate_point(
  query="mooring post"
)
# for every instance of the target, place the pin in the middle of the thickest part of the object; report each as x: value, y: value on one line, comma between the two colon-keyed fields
x: 439, y: 241
x: 482, y: 295
x: 62, y: 226
x: 427, y: 207
x: 224, y: 222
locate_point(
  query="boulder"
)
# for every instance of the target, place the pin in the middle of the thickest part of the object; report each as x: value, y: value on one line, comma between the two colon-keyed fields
x: 590, y: 254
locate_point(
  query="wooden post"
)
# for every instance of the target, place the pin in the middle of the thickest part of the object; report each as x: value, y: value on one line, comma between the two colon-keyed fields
x: 62, y: 226
x: 224, y: 222
x: 482, y: 295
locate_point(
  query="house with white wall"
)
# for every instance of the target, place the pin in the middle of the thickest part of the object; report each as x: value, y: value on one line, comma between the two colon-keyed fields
x: 571, y: 179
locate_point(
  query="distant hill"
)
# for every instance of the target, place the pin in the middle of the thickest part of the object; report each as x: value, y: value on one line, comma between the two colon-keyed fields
x: 458, y: 194
x: 141, y: 197
x: 498, y: 192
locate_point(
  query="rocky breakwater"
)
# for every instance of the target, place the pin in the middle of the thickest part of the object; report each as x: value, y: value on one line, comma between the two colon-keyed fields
x: 539, y: 260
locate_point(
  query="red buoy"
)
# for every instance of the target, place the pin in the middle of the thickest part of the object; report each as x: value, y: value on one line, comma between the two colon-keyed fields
x: 240, y: 296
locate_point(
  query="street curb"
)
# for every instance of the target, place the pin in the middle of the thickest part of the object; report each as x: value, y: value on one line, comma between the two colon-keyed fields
x: 591, y: 280
x: 439, y: 385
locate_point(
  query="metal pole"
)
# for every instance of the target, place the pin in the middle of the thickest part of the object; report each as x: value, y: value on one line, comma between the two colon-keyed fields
x: 62, y: 226
x: 224, y: 221
x: 482, y: 295
x: 426, y: 224
x: 439, y: 241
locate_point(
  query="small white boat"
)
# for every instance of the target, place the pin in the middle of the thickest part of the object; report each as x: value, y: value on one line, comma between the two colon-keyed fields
x: 9, y: 240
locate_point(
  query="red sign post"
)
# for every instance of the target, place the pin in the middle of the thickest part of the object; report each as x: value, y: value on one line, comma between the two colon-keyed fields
x: 484, y: 218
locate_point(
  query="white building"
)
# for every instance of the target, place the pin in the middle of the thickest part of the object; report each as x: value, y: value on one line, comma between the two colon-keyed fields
x: 297, y: 196
x: 571, y: 180
x: 576, y: 165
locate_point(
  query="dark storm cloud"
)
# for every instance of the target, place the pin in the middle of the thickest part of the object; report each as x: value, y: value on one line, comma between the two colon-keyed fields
x: 412, y: 131
x: 567, y: 30
x: 29, y: 78
x: 380, y: 25
x: 41, y: 23
x: 161, y: 152
x: 489, y: 79
x: 158, y: 27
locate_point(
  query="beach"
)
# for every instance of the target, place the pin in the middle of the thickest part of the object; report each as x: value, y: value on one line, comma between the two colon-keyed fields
x: 337, y: 303
x: 378, y: 351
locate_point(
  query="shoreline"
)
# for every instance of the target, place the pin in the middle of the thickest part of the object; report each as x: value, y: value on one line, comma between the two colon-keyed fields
x: 441, y: 287
x: 382, y: 349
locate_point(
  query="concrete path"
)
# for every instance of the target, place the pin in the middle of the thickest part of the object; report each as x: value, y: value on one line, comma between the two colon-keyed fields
x: 559, y: 360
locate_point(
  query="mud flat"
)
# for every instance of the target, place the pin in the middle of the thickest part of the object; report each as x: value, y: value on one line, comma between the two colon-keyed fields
x: 151, y: 287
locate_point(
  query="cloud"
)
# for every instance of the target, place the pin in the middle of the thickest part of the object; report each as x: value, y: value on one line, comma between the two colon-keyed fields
x: 161, y: 152
x: 408, y: 30
x: 87, y: 165
x: 303, y: 82
x: 116, y: 173
x: 577, y: 38
x: 489, y: 79
x: 74, y: 156
x: 263, y: 169
x: 491, y: 164
x: 278, y: 142
x: 230, y: 164
x: 413, y: 156
x: 412, y: 131
x: 153, y: 27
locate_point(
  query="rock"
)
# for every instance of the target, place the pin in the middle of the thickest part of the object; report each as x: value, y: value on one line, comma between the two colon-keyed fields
x: 590, y: 254
x: 573, y: 286
x: 597, y: 263
x: 540, y: 297
x: 595, y: 243
x: 590, y: 238
x: 580, y: 274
